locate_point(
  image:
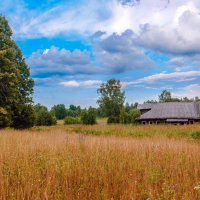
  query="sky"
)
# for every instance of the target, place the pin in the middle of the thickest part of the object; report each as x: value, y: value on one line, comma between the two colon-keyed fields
x: 72, y: 46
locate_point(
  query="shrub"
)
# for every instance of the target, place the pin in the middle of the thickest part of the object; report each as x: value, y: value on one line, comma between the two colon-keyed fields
x: 72, y: 120
x: 89, y: 116
x: 195, y: 135
x: 73, y: 111
x: 134, y: 113
x: 45, y: 118
x: 125, y: 117
x: 129, y: 117
x: 5, y: 118
x: 113, y: 119
x: 24, y: 117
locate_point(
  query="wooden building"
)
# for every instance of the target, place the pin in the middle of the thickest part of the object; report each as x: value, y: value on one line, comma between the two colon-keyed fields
x: 171, y: 112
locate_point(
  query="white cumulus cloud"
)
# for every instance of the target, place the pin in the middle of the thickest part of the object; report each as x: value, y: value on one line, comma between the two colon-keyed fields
x: 85, y: 84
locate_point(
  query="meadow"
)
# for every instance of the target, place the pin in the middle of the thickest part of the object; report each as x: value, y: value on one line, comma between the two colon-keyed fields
x: 100, y: 162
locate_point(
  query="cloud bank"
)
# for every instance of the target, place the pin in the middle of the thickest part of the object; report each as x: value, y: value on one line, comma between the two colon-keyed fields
x: 111, y: 55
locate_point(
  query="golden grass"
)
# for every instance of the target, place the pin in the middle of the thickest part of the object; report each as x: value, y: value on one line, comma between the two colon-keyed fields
x: 102, y: 121
x: 60, y: 122
x: 53, y: 164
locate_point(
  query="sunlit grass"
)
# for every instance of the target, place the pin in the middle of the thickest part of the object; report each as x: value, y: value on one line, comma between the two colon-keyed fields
x: 49, y: 163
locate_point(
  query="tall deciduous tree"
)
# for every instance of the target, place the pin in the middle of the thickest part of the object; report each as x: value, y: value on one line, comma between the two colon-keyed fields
x: 165, y: 96
x: 16, y: 86
x: 111, y: 99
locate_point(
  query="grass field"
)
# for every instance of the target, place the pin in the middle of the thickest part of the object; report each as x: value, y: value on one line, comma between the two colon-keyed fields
x: 90, y: 162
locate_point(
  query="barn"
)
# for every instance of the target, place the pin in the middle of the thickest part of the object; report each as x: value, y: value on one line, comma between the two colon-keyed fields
x: 170, y: 112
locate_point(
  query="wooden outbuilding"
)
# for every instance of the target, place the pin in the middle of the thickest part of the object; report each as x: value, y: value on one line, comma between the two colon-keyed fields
x: 170, y: 112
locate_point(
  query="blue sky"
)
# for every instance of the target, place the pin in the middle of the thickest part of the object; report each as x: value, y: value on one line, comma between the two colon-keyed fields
x: 72, y: 46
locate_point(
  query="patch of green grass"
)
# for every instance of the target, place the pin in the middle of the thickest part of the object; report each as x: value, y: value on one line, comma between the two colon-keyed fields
x: 166, y: 131
x: 195, y: 135
x: 72, y: 120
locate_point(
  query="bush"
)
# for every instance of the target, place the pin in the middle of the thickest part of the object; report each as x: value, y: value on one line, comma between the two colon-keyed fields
x: 5, y: 118
x: 59, y: 111
x: 45, y: 118
x: 125, y: 117
x: 89, y: 116
x: 134, y: 113
x: 23, y: 117
x: 195, y: 135
x: 129, y: 117
x: 113, y: 119
x: 72, y: 120
x: 73, y: 111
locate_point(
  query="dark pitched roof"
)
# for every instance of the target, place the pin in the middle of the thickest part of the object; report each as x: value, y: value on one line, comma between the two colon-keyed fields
x: 171, y: 110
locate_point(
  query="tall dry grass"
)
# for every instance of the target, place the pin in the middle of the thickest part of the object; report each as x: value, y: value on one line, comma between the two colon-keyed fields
x: 57, y: 165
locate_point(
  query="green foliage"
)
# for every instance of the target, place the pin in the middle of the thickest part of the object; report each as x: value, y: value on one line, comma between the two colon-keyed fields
x: 43, y: 116
x: 24, y: 117
x: 73, y: 111
x: 130, y: 116
x: 125, y: 117
x: 72, y: 120
x: 195, y: 135
x: 5, y: 118
x: 113, y: 120
x: 89, y: 116
x: 111, y: 99
x: 128, y: 107
x: 16, y: 86
x: 165, y: 96
x: 100, y: 112
x: 59, y: 111
x: 151, y: 101
x: 134, y: 113
x: 38, y: 108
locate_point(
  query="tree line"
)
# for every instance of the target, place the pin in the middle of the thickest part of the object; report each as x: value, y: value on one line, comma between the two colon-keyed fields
x: 166, y: 96
x: 72, y: 115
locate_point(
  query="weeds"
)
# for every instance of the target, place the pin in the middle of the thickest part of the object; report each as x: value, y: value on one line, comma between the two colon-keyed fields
x: 195, y: 135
